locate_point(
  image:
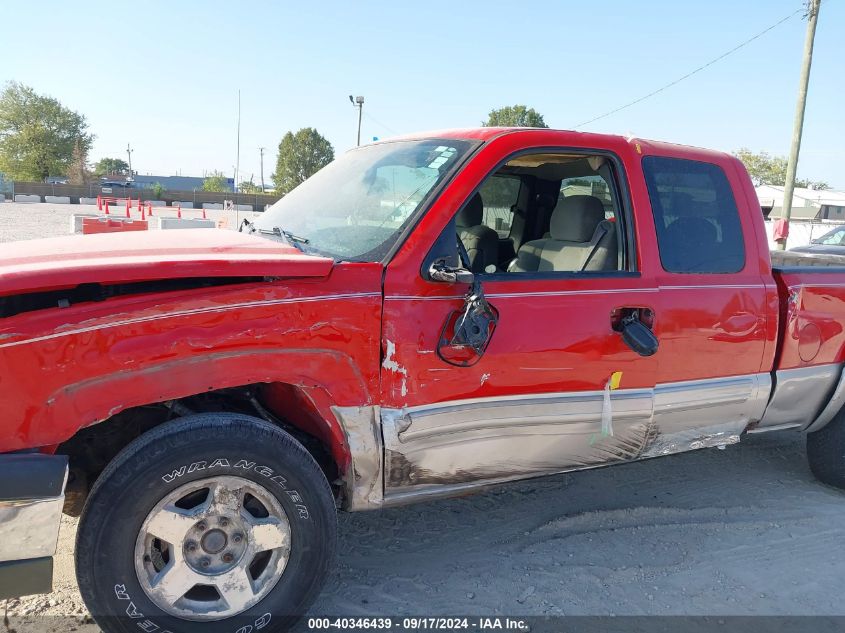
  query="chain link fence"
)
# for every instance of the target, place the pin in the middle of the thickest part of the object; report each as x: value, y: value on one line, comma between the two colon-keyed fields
x: 258, y: 201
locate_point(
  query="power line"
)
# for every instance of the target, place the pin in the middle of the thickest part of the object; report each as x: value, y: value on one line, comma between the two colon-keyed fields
x: 380, y: 124
x: 690, y: 74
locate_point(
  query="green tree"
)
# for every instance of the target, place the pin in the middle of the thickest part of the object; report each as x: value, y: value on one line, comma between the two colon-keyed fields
x: 514, y: 116
x: 215, y: 182
x: 247, y: 186
x: 158, y: 189
x: 106, y: 166
x: 766, y: 169
x: 38, y: 134
x: 301, y: 155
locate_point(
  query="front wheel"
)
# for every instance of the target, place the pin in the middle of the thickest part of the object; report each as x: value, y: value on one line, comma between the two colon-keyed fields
x: 216, y: 522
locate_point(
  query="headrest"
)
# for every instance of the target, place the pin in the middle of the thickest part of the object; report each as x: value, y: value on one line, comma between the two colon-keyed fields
x: 576, y: 218
x: 472, y: 214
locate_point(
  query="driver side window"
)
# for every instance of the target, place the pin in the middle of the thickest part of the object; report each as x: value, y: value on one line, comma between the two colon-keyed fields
x: 545, y: 213
x: 485, y: 223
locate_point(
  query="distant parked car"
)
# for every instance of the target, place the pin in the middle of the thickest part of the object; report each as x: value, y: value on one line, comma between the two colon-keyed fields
x: 115, y: 186
x: 832, y: 243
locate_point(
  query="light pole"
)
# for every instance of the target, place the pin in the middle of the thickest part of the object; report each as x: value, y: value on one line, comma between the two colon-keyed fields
x: 358, y: 102
x: 129, y: 154
x: 261, y: 150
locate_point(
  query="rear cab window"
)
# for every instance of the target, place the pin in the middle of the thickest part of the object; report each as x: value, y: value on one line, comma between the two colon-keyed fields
x: 593, y: 185
x: 695, y: 216
x: 500, y: 195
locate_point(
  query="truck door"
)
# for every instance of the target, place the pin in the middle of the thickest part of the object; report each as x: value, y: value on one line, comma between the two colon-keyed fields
x: 713, y: 306
x: 551, y: 385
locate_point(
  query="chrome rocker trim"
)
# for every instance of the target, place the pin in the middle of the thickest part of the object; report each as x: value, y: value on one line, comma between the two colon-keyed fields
x: 31, y: 500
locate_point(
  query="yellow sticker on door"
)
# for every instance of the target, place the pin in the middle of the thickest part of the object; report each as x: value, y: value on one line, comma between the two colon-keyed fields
x: 615, y: 379
x: 606, y: 408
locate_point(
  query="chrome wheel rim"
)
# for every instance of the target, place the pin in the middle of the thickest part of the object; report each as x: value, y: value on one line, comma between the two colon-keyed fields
x: 212, y: 548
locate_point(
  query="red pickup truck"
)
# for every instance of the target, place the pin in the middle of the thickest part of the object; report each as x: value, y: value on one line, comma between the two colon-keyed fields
x: 424, y: 317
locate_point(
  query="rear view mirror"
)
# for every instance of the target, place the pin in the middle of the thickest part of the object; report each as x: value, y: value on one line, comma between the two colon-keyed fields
x: 467, y: 332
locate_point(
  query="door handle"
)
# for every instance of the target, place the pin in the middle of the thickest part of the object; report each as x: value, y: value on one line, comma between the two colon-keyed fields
x: 643, y: 314
x: 635, y: 323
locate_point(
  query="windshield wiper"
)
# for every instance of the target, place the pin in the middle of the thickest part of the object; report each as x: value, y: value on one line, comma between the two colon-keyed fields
x: 294, y: 240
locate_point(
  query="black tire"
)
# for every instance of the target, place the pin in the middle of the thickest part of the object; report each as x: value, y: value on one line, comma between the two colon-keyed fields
x: 136, y: 481
x: 826, y: 452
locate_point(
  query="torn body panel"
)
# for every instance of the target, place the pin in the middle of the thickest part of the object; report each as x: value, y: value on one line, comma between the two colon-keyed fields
x: 362, y: 478
x: 451, y: 447
x: 509, y: 438
x: 703, y: 413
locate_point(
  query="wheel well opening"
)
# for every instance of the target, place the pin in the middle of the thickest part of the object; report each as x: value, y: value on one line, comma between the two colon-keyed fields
x: 287, y: 406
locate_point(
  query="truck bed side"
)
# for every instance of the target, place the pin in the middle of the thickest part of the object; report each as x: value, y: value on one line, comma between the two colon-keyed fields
x: 811, y: 340
x: 811, y: 290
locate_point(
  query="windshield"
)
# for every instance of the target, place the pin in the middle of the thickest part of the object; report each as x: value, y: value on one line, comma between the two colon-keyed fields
x: 831, y: 238
x: 355, y: 208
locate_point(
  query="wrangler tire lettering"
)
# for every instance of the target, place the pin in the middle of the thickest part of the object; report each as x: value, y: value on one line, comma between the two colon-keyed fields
x: 176, y: 473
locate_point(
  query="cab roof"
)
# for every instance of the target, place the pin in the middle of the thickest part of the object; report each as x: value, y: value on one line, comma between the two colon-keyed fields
x: 485, y: 134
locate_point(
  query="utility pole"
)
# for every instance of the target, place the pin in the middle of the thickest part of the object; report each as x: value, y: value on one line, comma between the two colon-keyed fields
x: 798, y: 125
x: 358, y: 102
x: 261, y: 150
x: 238, y: 158
x: 129, y: 154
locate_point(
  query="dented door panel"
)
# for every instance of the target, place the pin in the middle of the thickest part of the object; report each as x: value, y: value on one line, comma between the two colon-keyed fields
x: 535, y: 401
x: 556, y: 340
x: 64, y: 368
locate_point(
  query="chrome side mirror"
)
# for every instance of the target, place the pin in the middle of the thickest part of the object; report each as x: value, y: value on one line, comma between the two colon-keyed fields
x: 440, y: 271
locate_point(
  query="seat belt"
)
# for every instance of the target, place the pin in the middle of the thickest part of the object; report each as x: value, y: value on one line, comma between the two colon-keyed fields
x: 587, y: 253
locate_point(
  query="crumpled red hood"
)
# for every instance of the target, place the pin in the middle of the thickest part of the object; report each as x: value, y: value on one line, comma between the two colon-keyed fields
x: 64, y: 262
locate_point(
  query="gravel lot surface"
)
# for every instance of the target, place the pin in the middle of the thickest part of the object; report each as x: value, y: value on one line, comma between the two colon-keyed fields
x: 740, y: 531
x: 20, y: 221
